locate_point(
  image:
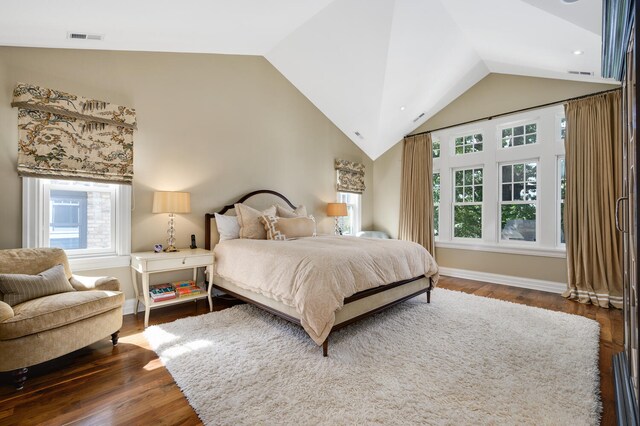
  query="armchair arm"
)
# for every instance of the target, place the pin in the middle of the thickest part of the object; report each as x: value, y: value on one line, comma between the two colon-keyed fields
x: 81, y: 283
x: 6, y: 311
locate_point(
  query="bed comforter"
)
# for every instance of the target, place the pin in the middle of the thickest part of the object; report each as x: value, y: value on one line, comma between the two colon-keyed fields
x: 314, y: 275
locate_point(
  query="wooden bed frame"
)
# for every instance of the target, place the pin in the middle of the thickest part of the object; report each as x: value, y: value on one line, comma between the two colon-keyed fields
x: 351, y: 299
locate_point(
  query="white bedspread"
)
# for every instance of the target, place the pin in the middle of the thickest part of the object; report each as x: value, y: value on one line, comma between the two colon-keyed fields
x: 314, y: 275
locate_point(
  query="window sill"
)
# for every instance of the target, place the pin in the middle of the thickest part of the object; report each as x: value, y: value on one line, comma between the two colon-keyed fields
x: 508, y: 249
x: 98, y: 262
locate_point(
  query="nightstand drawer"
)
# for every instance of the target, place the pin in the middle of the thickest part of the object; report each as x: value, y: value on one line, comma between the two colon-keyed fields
x: 146, y: 262
x: 178, y: 262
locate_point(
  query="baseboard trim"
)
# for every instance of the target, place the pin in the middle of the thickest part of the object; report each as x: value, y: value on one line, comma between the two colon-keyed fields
x: 130, y: 306
x: 530, y: 283
x: 548, y: 286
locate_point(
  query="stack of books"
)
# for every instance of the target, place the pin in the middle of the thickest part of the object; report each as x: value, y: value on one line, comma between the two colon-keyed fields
x: 187, y: 289
x: 160, y: 292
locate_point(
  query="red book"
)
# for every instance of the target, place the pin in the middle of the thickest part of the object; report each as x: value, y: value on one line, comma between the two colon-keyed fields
x: 167, y: 296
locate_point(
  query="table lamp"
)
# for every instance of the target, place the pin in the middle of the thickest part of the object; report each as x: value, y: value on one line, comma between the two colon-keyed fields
x: 171, y: 202
x: 337, y: 210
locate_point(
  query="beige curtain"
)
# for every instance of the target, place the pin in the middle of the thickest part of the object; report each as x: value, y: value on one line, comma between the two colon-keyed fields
x: 593, y: 148
x: 416, y: 192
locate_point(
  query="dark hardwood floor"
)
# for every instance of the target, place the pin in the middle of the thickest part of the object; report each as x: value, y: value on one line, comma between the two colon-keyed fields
x: 101, y: 385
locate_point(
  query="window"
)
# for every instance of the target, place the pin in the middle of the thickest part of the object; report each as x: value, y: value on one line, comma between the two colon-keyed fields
x: 525, y: 134
x: 505, y: 195
x: 89, y: 220
x: 350, y: 224
x: 467, y: 202
x: 563, y: 128
x: 468, y: 144
x: 436, y: 203
x: 518, y: 201
x: 68, y: 220
x: 436, y: 148
x: 560, y: 202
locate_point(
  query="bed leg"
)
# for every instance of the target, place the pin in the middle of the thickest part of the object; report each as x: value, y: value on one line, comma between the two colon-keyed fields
x: 428, y: 296
x: 325, y: 347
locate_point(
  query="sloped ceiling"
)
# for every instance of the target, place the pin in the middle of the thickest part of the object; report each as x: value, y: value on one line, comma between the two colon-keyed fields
x: 371, y: 66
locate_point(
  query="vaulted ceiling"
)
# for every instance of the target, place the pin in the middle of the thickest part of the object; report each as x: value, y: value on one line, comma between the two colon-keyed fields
x: 371, y: 66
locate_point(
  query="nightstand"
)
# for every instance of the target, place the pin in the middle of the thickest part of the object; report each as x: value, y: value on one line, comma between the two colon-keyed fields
x: 149, y: 262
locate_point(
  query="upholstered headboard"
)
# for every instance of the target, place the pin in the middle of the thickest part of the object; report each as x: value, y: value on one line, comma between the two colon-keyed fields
x: 259, y: 200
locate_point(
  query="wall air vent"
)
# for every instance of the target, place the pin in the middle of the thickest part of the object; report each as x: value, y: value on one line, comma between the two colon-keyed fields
x: 85, y: 36
x: 418, y: 117
x: 581, y: 72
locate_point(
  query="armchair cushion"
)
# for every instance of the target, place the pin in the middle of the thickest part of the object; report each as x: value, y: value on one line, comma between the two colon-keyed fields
x: 81, y: 283
x: 57, y: 310
x: 32, y: 261
x: 5, y: 312
x: 18, y: 288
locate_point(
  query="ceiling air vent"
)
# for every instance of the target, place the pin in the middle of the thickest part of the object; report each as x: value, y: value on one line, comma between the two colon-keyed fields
x: 84, y: 36
x: 581, y: 72
x: 358, y: 134
x: 418, y: 117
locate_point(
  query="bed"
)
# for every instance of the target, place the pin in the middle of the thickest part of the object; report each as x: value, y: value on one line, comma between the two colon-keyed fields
x: 359, y: 276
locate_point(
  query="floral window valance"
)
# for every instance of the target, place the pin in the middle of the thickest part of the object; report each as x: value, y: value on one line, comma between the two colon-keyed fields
x: 350, y: 176
x: 65, y: 136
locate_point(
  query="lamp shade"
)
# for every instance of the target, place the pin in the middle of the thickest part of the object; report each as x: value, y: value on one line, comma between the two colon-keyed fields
x: 337, y: 209
x: 171, y: 202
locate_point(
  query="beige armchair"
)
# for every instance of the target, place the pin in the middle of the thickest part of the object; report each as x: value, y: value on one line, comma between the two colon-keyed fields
x: 41, y: 329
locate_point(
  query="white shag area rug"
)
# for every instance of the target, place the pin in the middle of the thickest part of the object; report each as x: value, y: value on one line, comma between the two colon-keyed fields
x: 462, y: 359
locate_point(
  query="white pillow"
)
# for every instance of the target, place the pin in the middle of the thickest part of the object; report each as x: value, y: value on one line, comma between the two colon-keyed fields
x: 228, y: 227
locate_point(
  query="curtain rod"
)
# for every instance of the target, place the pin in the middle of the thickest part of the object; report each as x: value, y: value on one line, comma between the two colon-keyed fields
x: 491, y: 117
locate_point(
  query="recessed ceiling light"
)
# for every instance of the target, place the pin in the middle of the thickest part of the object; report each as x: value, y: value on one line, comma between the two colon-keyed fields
x: 578, y: 52
x: 402, y: 108
x: 569, y: 1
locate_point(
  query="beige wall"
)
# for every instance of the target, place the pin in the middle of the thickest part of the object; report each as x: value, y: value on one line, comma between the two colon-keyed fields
x: 495, y: 94
x: 215, y: 125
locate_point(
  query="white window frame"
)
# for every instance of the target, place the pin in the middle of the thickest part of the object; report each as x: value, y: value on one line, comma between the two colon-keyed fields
x: 437, y: 172
x: 513, y: 124
x: 435, y: 141
x: 558, y: 127
x: 501, y: 203
x: 35, y: 225
x: 559, y: 202
x: 545, y: 150
x: 465, y: 135
x: 455, y: 203
x: 356, y: 208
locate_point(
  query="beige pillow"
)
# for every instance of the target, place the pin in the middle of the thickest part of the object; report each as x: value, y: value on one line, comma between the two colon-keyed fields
x: 249, y: 221
x: 18, y: 288
x: 282, y: 228
x: 281, y: 211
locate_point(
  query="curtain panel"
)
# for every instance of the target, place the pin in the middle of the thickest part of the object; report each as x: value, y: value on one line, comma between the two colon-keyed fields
x: 350, y: 176
x: 593, y: 155
x: 64, y: 136
x: 416, y: 192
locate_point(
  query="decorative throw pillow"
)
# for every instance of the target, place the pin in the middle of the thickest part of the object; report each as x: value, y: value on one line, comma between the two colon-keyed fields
x: 18, y: 288
x: 282, y: 228
x: 281, y: 211
x: 228, y: 227
x: 249, y: 221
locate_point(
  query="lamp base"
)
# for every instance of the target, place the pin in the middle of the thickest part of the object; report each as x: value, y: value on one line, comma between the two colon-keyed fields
x: 170, y: 249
